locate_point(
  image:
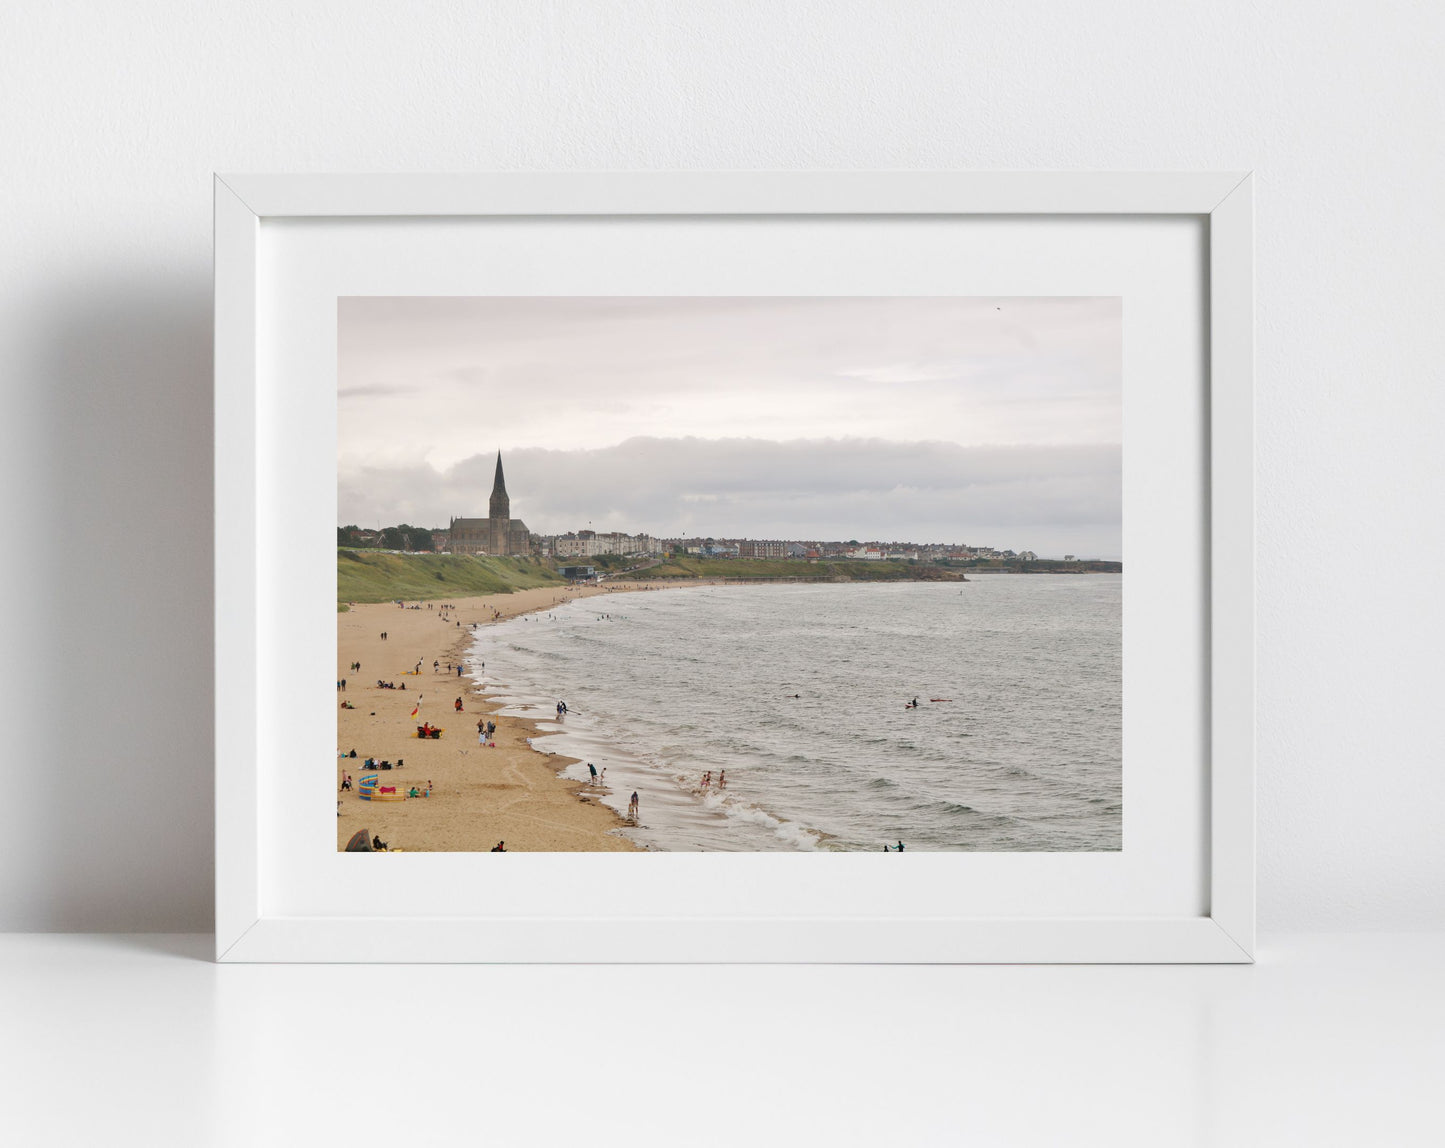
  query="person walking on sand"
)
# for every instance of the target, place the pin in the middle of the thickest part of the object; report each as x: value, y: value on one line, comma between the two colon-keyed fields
x: 633, y: 807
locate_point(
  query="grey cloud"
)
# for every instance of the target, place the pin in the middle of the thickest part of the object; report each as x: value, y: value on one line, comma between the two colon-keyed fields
x: 1045, y: 498
x: 374, y: 391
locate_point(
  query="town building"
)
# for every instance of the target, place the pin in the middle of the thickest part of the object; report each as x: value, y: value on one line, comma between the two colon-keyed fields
x: 499, y: 533
x: 759, y: 548
x: 589, y: 544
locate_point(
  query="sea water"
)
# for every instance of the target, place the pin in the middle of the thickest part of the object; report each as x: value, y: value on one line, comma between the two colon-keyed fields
x: 798, y: 692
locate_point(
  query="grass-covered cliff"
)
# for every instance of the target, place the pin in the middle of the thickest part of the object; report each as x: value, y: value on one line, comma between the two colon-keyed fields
x: 369, y: 576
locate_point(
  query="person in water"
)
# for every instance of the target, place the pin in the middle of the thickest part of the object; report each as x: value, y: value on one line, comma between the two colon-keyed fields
x: 900, y: 847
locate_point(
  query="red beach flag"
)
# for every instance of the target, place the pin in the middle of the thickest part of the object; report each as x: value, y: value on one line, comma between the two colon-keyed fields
x: 415, y: 708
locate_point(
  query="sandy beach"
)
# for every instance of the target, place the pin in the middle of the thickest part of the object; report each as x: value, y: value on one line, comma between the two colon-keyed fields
x: 479, y: 795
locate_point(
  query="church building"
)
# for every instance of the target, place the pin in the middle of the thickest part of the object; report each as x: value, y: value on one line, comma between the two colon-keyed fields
x: 499, y: 533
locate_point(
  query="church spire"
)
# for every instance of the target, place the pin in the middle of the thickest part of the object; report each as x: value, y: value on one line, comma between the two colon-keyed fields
x: 499, y: 484
x: 501, y: 506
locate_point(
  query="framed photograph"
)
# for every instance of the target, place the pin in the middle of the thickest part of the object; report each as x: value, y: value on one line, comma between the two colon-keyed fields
x: 701, y: 538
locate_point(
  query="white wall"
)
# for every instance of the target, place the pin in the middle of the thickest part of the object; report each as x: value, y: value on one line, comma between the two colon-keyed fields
x: 112, y: 117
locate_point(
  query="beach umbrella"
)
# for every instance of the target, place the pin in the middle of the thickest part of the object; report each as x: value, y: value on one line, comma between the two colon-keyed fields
x: 360, y: 843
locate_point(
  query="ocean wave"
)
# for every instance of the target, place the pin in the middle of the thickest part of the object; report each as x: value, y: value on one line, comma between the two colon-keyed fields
x: 798, y: 836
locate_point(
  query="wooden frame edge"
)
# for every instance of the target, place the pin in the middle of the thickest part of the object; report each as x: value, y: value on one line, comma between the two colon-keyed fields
x: 237, y: 881
x: 1231, y: 562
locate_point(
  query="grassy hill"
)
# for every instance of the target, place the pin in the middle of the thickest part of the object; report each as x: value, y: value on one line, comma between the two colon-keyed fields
x: 368, y: 576
x: 845, y: 570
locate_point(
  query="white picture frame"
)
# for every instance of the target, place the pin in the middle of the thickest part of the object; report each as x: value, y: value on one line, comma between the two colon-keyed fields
x: 248, y: 928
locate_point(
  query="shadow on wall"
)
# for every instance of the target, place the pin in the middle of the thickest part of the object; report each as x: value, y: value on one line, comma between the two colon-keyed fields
x: 123, y: 723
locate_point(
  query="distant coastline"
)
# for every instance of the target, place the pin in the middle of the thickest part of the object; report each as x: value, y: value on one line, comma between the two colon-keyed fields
x: 385, y: 576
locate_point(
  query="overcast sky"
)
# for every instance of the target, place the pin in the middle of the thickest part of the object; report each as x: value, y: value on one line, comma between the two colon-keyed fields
x: 980, y: 421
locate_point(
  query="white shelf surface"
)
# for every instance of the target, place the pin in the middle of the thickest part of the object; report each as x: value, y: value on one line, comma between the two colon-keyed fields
x: 1329, y: 1039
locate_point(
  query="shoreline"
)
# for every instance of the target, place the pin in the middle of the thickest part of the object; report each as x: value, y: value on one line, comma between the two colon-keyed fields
x: 479, y: 795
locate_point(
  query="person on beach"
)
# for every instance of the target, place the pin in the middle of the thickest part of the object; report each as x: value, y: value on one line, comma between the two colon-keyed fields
x: 499, y: 847
x: 602, y: 781
x: 592, y: 769
x: 722, y: 779
x: 435, y: 666
x: 457, y: 705
x: 900, y: 847
x: 707, y: 780
x: 633, y: 807
x: 459, y: 671
x: 491, y: 728
x: 378, y: 844
x: 481, y: 735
